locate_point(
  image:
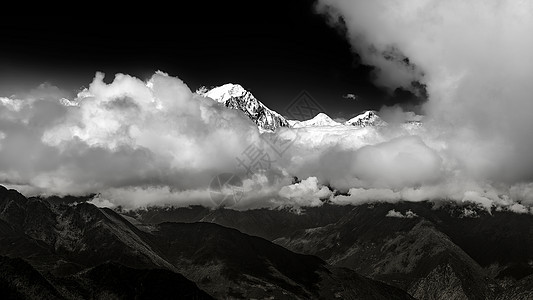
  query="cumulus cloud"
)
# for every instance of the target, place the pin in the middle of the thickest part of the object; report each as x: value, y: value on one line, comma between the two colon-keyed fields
x: 128, y: 134
x: 518, y: 208
x: 304, y: 194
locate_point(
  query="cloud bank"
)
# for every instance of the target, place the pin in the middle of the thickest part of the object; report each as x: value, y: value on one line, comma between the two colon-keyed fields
x: 126, y: 134
x: 154, y: 142
x: 141, y: 143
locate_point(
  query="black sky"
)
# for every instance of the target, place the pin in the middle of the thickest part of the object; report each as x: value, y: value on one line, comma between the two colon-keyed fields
x: 276, y: 49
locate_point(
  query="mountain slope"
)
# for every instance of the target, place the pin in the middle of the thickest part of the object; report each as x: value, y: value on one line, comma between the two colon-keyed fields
x: 68, y: 239
x: 439, y: 252
x: 521, y: 290
x: 19, y: 280
x: 115, y: 281
x: 227, y: 262
x: 407, y: 252
x: 236, y: 97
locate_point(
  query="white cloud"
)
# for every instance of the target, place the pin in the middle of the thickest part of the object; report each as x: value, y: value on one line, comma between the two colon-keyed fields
x: 475, y: 59
x: 518, y: 208
x: 358, y: 196
x: 469, y: 213
x: 100, y: 202
x: 350, y: 96
x: 522, y: 192
x: 305, y: 193
x: 363, y: 158
x: 395, y: 115
x: 128, y: 133
x: 11, y: 104
x: 156, y: 143
x: 475, y: 197
x: 397, y: 214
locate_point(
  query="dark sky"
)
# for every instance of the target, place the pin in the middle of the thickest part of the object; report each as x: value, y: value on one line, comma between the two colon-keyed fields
x: 275, y: 49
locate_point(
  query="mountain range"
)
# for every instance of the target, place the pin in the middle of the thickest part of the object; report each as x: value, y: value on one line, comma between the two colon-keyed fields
x: 54, y: 250
x: 65, y: 248
x: 431, y: 250
x: 236, y: 97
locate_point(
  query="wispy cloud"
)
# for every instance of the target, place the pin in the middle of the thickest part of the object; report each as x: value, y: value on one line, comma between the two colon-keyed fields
x: 350, y: 97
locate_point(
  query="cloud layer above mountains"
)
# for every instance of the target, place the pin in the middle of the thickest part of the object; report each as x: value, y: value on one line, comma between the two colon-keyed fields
x: 140, y: 143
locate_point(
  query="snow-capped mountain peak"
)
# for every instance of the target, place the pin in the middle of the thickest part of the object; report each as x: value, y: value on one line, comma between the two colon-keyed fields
x: 236, y: 97
x: 319, y: 120
x: 225, y: 92
x: 368, y: 118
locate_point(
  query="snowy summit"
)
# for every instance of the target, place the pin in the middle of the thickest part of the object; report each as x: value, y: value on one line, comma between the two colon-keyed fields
x: 368, y: 118
x: 319, y: 120
x: 236, y: 97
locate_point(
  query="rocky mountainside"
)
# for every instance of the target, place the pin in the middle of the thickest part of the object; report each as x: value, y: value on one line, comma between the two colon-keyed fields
x: 79, y: 251
x: 236, y: 97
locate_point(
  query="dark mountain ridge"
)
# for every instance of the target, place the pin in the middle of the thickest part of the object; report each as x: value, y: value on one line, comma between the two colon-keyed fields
x: 76, y: 247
